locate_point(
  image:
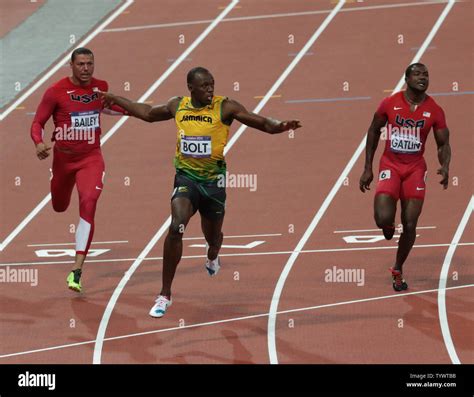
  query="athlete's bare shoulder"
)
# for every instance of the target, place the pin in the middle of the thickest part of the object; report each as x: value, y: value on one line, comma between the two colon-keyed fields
x: 173, y: 104
x: 231, y: 106
x: 229, y: 102
x: 175, y: 100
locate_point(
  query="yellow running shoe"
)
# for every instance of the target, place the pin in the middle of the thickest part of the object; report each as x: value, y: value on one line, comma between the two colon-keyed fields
x: 74, y: 280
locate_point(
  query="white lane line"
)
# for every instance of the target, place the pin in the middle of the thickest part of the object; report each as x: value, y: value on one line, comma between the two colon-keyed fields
x: 230, y: 144
x: 66, y: 346
x: 270, y: 16
x: 126, y: 241
x: 158, y: 258
x: 229, y: 320
x: 118, y: 290
x: 378, y: 230
x: 241, y: 236
x: 58, y: 244
x: 272, y: 351
x: 443, y: 278
x: 25, y: 222
x: 65, y: 59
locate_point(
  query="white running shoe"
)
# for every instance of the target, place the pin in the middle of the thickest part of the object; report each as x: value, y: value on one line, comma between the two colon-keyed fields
x: 161, y: 304
x: 213, y: 267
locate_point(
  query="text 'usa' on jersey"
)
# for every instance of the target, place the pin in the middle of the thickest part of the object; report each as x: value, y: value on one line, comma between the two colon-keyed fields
x: 201, y: 139
x: 406, y: 131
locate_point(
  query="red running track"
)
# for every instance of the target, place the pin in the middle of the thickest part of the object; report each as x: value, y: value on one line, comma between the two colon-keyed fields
x: 224, y: 320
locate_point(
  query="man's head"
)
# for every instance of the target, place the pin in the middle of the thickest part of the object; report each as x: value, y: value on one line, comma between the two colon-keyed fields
x: 82, y: 65
x: 201, y: 85
x: 417, y: 77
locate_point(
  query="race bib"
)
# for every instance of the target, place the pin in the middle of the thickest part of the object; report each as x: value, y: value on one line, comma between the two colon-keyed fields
x: 385, y: 174
x: 405, y: 143
x: 196, y: 146
x: 85, y: 120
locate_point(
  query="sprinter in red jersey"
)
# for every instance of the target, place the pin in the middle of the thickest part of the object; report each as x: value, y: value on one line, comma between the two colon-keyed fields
x: 75, y: 106
x: 405, y: 118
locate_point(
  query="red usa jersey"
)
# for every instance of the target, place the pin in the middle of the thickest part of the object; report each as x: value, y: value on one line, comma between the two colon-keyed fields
x: 406, y: 131
x: 76, y: 114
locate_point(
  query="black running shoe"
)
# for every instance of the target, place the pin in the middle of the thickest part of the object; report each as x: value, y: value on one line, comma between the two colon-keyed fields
x: 398, y: 283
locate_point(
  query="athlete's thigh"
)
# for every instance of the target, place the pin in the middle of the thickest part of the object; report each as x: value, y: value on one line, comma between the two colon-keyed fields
x: 187, y: 189
x: 414, y: 182
x: 181, y: 210
x: 385, y: 206
x: 212, y: 202
x: 90, y: 175
x: 63, y: 178
x: 389, y: 180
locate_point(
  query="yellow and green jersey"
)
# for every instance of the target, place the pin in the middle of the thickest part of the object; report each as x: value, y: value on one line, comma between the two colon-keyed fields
x: 201, y: 138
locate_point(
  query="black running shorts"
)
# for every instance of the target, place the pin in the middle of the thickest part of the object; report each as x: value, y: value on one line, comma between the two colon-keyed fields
x: 207, y: 197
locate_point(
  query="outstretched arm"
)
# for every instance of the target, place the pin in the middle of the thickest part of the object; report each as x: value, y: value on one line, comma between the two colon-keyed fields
x: 444, y: 154
x: 373, y: 136
x: 140, y: 110
x: 115, y: 110
x: 232, y: 109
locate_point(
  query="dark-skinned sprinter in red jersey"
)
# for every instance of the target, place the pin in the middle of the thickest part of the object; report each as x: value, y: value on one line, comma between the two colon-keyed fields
x: 408, y: 116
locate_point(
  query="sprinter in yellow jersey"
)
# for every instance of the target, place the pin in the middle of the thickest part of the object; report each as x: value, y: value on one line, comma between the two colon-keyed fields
x: 202, y: 122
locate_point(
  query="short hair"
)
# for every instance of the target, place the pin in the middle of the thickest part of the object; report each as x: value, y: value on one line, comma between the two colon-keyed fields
x: 409, y: 69
x: 194, y: 71
x: 80, y: 51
